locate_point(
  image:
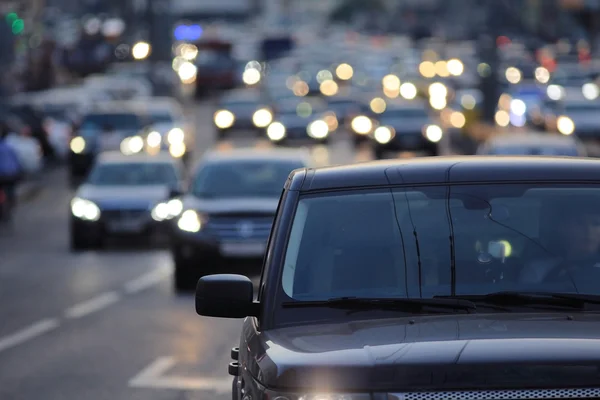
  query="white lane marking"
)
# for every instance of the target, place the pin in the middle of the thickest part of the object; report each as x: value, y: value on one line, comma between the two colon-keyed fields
x: 148, y: 280
x: 28, y: 333
x: 94, y: 304
x: 153, y: 377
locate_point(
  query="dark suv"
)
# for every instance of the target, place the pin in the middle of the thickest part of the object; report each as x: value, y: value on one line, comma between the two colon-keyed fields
x: 442, y: 278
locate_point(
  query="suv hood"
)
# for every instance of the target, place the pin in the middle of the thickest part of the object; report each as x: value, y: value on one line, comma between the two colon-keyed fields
x: 447, y: 352
x: 123, y: 197
x: 232, y: 205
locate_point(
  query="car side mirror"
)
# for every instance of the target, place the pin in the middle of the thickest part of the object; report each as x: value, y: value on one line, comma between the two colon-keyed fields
x: 226, y: 296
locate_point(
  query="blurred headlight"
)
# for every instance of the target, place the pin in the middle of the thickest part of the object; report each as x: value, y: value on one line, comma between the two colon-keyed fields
x: 276, y: 131
x: 175, y: 136
x: 189, y: 221
x: 434, y: 133
x: 177, y: 150
x: 262, y: 118
x: 132, y: 145
x: 318, y: 129
x: 154, y: 139
x: 85, y: 209
x: 565, y: 125
x: 383, y: 134
x: 362, y: 125
x: 224, y: 119
x: 167, y: 210
x: 77, y: 145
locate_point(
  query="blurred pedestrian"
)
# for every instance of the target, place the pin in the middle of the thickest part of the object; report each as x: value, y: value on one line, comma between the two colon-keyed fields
x: 11, y: 171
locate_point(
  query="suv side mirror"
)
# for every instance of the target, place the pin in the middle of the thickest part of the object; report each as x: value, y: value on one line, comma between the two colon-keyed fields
x: 226, y: 296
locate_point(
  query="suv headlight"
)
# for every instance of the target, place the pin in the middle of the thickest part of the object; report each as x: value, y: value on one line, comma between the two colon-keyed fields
x: 85, y: 209
x: 318, y: 396
x: 190, y: 221
x: 167, y: 210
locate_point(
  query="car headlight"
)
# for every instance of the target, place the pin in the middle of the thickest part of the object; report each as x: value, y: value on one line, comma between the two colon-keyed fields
x: 177, y: 150
x: 190, y: 221
x: 565, y: 125
x: 77, y: 145
x: 317, y: 396
x: 434, y: 133
x: 224, y: 119
x: 154, y: 139
x: 384, y: 134
x: 262, y: 118
x: 175, y: 136
x: 167, y: 210
x: 85, y: 209
x: 362, y: 125
x: 318, y: 129
x: 276, y: 131
x: 132, y: 145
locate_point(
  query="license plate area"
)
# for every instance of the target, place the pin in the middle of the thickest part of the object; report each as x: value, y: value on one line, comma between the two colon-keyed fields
x: 126, y: 225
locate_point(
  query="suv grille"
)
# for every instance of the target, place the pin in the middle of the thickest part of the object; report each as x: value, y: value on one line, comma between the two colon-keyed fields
x: 240, y: 227
x: 519, y: 394
x: 115, y: 215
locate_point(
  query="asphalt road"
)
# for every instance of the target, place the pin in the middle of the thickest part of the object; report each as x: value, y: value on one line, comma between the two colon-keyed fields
x: 107, y: 325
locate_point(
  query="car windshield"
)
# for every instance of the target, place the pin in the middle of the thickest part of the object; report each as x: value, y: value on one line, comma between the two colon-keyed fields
x: 157, y: 118
x: 133, y: 174
x: 537, y: 150
x: 125, y: 121
x: 404, y: 242
x: 582, y: 108
x: 240, y: 106
x: 260, y: 178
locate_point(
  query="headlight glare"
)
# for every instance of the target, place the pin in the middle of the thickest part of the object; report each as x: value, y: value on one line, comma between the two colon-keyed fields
x: 318, y: 129
x: 565, y: 125
x: 262, y: 118
x: 175, y: 136
x: 434, y: 133
x: 318, y: 396
x: 85, y: 209
x: 362, y: 125
x: 383, y: 134
x: 154, y: 139
x: 189, y: 221
x: 276, y: 131
x: 77, y: 145
x: 167, y: 210
x: 224, y: 119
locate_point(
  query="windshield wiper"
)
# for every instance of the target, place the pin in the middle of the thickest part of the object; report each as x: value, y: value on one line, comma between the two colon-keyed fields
x: 508, y: 298
x: 386, y: 303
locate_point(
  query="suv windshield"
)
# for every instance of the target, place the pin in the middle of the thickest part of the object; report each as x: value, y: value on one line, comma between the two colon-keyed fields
x: 440, y: 241
x: 243, y: 179
x: 116, y: 174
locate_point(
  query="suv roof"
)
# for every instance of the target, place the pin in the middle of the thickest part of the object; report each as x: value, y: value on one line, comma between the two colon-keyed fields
x: 441, y: 170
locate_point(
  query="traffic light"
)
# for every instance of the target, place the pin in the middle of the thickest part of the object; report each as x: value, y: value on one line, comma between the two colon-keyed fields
x: 17, y: 24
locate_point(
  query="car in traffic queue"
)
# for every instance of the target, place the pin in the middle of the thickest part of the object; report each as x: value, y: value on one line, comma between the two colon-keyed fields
x: 531, y: 144
x: 228, y: 209
x: 420, y: 279
x: 575, y: 116
x: 242, y: 109
x: 298, y: 121
x: 120, y: 198
x: 102, y: 129
x: 347, y: 108
x: 406, y: 126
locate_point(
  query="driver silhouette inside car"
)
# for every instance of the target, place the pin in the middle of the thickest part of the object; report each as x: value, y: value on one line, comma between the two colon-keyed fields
x: 575, y: 248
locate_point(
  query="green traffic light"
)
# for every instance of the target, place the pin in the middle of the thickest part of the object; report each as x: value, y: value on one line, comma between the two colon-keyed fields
x: 11, y: 17
x: 17, y: 26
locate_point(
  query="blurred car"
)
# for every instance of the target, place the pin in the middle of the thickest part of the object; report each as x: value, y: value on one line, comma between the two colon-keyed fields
x: 28, y: 152
x: 104, y: 129
x: 575, y: 116
x: 119, y: 87
x: 229, y: 209
x: 241, y: 110
x: 406, y: 126
x: 120, y: 196
x: 532, y: 143
x: 298, y: 121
